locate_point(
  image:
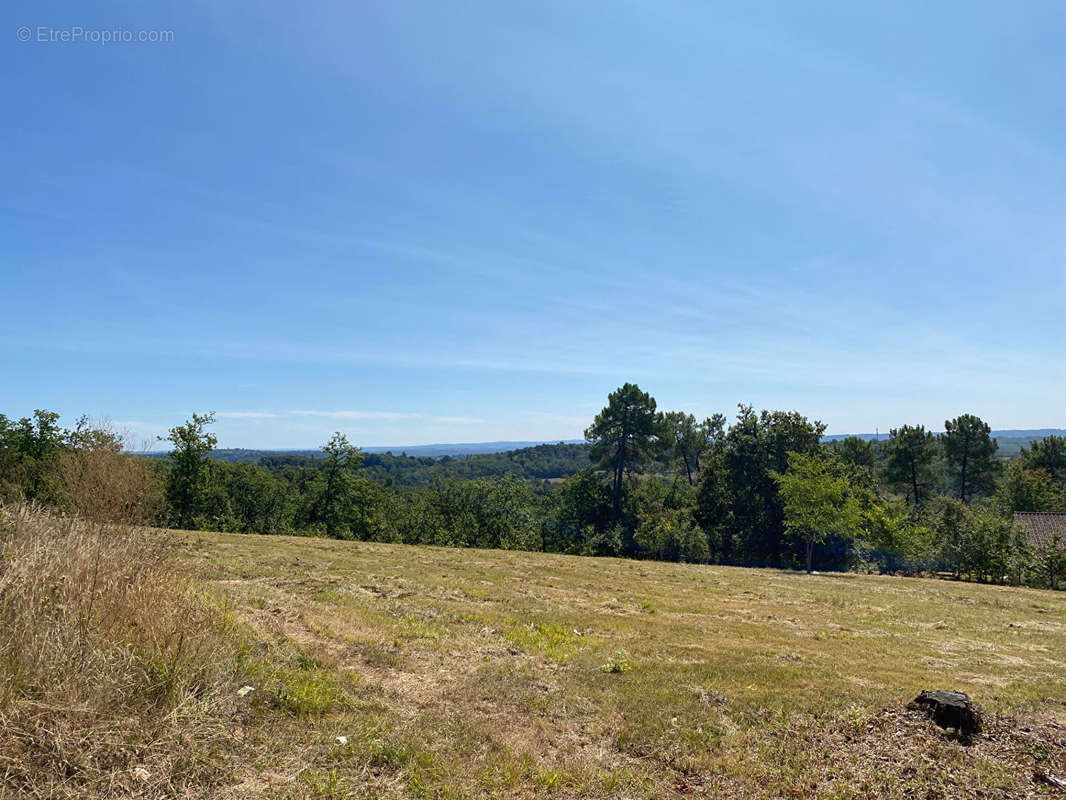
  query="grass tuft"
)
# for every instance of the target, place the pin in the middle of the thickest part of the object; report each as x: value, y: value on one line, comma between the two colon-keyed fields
x: 545, y: 638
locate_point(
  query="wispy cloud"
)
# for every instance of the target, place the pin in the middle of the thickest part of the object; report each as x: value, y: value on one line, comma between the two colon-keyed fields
x: 579, y: 421
x: 385, y: 415
x: 358, y: 414
x: 245, y: 415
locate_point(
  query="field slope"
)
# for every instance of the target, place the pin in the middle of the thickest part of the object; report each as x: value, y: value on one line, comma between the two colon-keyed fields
x: 464, y: 673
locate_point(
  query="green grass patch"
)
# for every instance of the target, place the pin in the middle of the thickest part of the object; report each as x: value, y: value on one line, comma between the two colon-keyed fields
x: 544, y: 638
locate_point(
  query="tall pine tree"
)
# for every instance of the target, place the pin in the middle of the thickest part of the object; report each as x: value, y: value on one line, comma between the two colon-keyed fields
x: 909, y: 464
x: 622, y: 437
x: 970, y: 452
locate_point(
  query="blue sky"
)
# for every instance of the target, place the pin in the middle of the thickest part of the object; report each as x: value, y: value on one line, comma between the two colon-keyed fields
x: 432, y: 222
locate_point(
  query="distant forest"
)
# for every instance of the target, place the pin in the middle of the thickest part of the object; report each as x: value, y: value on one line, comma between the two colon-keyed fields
x: 540, y: 463
x: 767, y: 488
x: 534, y: 462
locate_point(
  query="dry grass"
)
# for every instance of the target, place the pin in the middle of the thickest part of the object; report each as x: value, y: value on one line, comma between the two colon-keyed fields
x: 461, y: 673
x: 110, y: 664
x: 464, y: 673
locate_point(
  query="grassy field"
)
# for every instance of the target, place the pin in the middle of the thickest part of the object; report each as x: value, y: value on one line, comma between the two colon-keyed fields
x: 463, y: 673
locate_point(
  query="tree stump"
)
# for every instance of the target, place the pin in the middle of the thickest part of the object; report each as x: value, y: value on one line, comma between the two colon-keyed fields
x: 950, y: 710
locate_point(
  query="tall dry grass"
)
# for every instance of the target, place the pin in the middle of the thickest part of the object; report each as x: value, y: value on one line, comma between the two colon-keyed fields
x: 116, y: 674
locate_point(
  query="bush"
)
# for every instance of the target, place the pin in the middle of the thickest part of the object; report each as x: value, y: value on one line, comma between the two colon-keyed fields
x: 477, y: 513
x: 106, y: 484
x: 673, y: 536
x: 606, y: 542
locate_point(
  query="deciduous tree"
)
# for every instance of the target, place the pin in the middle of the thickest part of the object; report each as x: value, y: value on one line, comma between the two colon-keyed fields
x: 738, y: 500
x: 188, y: 479
x: 29, y: 454
x: 818, y: 500
x: 1030, y: 489
x: 341, y: 459
x: 685, y: 440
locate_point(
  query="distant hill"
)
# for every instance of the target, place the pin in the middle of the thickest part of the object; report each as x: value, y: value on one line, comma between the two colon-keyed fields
x: 460, y: 449
x: 1011, y: 441
x: 1028, y: 434
x: 529, y: 459
x: 457, y: 450
x: 423, y: 464
x: 1031, y: 434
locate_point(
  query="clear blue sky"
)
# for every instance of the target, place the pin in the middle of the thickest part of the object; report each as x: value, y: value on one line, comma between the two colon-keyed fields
x: 442, y: 222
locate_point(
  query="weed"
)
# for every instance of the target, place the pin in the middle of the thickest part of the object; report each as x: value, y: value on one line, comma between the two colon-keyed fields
x: 619, y: 662
x: 305, y: 692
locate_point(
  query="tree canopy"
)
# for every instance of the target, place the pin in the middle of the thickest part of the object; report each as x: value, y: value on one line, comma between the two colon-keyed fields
x: 761, y: 491
x: 187, y: 481
x: 911, y: 453
x: 970, y: 452
x: 622, y: 437
x: 818, y: 500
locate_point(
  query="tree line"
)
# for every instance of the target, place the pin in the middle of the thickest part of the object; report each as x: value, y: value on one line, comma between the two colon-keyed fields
x: 540, y: 462
x: 761, y: 490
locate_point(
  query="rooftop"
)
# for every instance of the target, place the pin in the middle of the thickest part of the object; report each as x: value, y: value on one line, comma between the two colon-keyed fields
x: 1041, y: 526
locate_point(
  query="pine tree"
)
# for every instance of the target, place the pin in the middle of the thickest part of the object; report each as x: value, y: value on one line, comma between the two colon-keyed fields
x: 970, y: 452
x: 909, y: 466
x: 622, y: 437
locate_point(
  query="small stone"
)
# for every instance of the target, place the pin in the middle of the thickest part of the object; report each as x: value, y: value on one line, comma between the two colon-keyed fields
x: 342, y: 741
x: 245, y: 690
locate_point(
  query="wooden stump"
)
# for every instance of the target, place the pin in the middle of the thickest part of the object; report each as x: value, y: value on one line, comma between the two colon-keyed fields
x: 950, y: 710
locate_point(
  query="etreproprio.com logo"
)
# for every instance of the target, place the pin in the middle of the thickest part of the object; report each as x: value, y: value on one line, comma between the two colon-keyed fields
x: 77, y: 34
